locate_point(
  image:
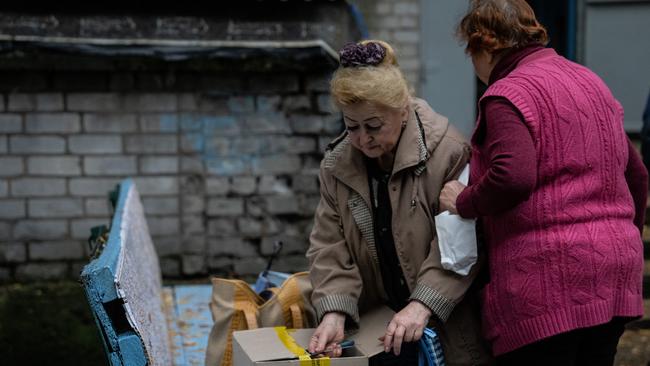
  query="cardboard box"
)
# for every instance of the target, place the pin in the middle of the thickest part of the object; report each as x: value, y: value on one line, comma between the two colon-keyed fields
x: 265, y: 346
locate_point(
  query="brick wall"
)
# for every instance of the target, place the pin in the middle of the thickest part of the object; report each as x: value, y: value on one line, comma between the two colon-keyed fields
x: 225, y: 164
x: 397, y: 22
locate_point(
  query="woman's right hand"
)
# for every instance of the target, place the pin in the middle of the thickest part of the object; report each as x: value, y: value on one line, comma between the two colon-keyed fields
x: 329, y: 334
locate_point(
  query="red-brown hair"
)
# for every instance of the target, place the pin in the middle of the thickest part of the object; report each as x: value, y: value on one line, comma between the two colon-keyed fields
x: 495, y: 25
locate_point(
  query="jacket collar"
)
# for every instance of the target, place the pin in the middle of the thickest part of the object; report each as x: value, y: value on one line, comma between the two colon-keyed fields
x: 421, y: 135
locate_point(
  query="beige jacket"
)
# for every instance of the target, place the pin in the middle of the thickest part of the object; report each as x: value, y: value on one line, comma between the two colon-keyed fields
x: 345, y: 271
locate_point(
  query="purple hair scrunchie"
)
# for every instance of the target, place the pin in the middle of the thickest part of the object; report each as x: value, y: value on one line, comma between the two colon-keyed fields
x: 355, y: 55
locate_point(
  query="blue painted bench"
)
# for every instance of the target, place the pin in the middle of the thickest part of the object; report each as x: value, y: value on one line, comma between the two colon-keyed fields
x: 142, y: 322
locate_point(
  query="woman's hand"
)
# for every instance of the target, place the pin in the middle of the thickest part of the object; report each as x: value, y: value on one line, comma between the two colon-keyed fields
x: 449, y: 194
x: 328, y: 335
x: 406, y: 326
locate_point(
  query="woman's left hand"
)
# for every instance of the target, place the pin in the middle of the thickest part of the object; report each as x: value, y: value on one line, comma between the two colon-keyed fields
x: 406, y: 326
x: 449, y: 195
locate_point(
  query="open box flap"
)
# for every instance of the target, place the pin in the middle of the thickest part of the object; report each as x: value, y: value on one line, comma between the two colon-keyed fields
x: 372, y: 326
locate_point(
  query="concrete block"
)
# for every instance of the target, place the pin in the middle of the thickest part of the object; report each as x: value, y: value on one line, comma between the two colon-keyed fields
x: 325, y: 104
x: 94, y: 102
x: 21, y: 144
x: 151, y: 144
x: 11, y: 166
x: 159, y: 122
x: 4, y: 188
x: 52, y: 123
x: 193, y: 204
x: 298, y: 145
x: 5, y: 230
x: 228, y: 166
x: 407, y: 36
x: 41, y: 271
x: 193, y: 264
x: 272, y: 185
x: 291, y: 263
x: 161, y: 185
x: 81, y: 227
x: 109, y: 122
x: 290, y: 244
x: 308, y: 204
x: 333, y: 124
x: 188, y: 102
x: 54, y: 165
x: 255, y: 207
x: 4, y: 145
x: 192, y: 165
x: 96, y: 207
x: 164, y: 225
x: 193, y: 225
x: 236, y: 247
x: 220, y: 266
x: 256, y: 228
x: 49, y: 102
x: 246, y: 145
x: 267, y: 123
x: 170, y: 267
x: 241, y: 104
x: 282, y: 205
x: 219, y: 125
x: 214, y: 103
x: 382, y: 8
x: 276, y: 164
x: 268, y: 104
x: 11, y: 123
x: 13, y: 253
x: 306, y: 123
x: 41, y: 229
x: 157, y: 165
x: 93, y: 186
x: 21, y: 102
x: 217, y: 186
x: 304, y: 183
x: 110, y: 165
x: 167, y: 245
x: 25, y: 187
x: 406, y: 8
x: 318, y: 83
x: 12, y: 209
x: 56, y: 207
x: 121, y: 81
x: 58, y: 250
x: 192, y: 142
x: 243, y: 186
x: 151, y: 102
x: 274, y: 83
x: 95, y: 144
x: 225, y: 207
x: 250, y: 266
x: 222, y: 227
x: 160, y: 205
x: 294, y: 103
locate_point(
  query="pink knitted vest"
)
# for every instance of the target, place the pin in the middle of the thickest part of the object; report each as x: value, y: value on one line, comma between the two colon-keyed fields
x: 570, y: 256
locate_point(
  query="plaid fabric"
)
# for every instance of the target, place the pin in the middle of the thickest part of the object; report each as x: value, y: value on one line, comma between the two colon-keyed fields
x: 431, y: 349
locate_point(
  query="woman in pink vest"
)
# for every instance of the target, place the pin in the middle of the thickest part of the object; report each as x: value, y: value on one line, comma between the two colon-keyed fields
x: 559, y: 192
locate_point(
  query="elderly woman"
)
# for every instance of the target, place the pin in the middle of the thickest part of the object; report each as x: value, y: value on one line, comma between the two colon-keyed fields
x: 560, y: 193
x: 374, y: 239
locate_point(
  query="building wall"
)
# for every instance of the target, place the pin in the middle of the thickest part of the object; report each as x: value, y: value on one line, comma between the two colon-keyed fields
x: 225, y: 164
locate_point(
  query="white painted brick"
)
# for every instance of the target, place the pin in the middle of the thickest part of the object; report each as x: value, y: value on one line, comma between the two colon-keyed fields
x: 41, y: 229
x: 159, y: 122
x: 81, y: 227
x: 217, y: 186
x: 55, y: 208
x: 157, y: 102
x: 57, y: 250
x: 160, y: 205
x: 12, y: 209
x: 110, y: 122
x: 55, y: 165
x: 157, y: 164
x: 94, y: 102
x: 96, y: 207
x: 25, y: 187
x: 13, y: 253
x: 11, y: 166
x: 11, y: 123
x: 95, y: 144
x: 110, y: 165
x: 4, y: 188
x: 164, y: 225
x: 163, y: 185
x: 225, y: 206
x: 406, y: 8
x: 41, y: 271
x: 151, y: 144
x: 52, y: 123
x: 92, y: 186
x: 37, y: 145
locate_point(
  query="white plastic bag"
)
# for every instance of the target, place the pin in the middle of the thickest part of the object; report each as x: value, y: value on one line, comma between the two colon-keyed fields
x: 457, y: 238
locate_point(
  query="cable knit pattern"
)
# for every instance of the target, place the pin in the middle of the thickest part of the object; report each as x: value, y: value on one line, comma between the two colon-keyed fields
x: 570, y: 256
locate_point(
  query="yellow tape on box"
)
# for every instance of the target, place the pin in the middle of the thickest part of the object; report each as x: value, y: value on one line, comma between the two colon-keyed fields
x: 296, y: 349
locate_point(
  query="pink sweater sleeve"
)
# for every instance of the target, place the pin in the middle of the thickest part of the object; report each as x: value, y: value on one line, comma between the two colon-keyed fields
x: 512, y: 173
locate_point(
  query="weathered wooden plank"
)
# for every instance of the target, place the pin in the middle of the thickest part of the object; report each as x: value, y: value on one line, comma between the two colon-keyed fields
x: 194, y: 320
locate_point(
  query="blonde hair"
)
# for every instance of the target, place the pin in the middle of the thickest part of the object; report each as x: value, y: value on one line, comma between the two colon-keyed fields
x: 383, y: 84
